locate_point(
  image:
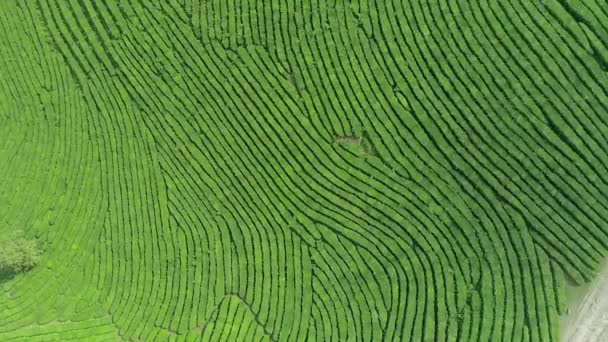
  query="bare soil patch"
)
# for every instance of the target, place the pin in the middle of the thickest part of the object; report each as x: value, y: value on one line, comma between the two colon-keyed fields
x: 587, y: 319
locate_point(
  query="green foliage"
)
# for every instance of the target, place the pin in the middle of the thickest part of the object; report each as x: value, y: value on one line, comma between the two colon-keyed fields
x: 18, y: 254
x: 301, y: 170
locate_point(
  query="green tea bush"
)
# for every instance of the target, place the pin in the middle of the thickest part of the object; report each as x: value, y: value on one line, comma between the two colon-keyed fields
x: 302, y: 170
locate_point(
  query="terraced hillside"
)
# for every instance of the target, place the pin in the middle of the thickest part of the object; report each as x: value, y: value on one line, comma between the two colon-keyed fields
x: 302, y: 170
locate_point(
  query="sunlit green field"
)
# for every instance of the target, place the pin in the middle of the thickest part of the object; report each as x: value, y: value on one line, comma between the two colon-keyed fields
x: 302, y: 170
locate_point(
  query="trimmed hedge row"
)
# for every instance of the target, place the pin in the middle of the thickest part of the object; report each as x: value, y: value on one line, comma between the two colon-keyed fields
x: 306, y: 170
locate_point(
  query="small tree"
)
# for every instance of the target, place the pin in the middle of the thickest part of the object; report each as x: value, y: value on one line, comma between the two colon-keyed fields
x: 18, y: 254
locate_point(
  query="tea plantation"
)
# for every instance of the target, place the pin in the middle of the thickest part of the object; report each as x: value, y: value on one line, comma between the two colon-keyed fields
x: 302, y: 170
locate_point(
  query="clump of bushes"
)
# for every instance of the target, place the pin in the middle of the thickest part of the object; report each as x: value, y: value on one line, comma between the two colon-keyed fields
x: 18, y: 254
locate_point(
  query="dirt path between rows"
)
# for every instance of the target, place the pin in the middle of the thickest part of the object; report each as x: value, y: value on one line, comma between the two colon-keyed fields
x: 588, y: 320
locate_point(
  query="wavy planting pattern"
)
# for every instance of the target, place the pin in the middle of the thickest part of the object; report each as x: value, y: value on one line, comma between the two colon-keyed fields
x: 226, y: 170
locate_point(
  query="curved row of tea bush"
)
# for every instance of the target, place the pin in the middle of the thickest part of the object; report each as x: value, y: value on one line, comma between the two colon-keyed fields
x: 305, y: 170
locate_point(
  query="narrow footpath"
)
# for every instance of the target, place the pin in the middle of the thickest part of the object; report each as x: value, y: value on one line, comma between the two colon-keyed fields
x: 588, y: 320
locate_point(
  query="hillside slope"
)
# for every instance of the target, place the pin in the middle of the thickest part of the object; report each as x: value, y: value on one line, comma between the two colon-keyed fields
x: 298, y: 170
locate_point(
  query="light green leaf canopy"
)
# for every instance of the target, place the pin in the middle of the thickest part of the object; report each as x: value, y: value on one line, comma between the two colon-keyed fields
x: 302, y: 170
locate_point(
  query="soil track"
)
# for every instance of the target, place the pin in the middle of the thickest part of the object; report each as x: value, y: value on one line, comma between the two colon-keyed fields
x: 588, y: 321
